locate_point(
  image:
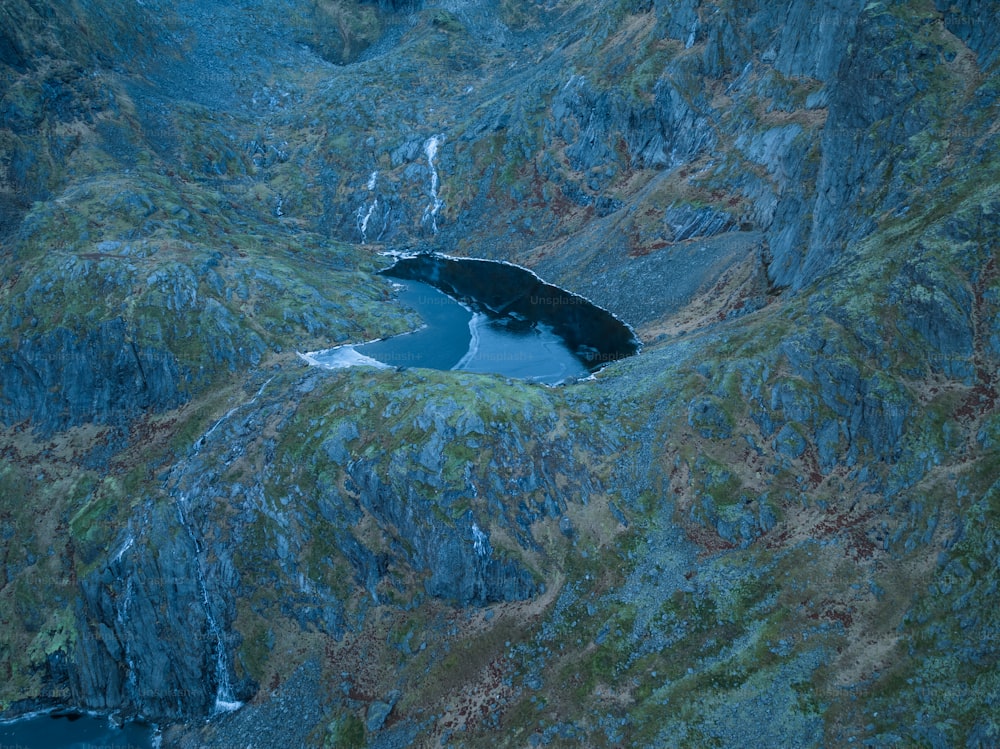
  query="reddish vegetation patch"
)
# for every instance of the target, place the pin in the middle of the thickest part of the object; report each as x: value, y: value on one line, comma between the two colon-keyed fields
x: 143, y: 432
x: 834, y: 611
x: 852, y: 527
x: 776, y: 539
x: 707, y: 539
x: 855, y: 530
x: 483, y: 701
x: 982, y: 399
x: 639, y: 250
x: 349, y: 656
x: 99, y: 256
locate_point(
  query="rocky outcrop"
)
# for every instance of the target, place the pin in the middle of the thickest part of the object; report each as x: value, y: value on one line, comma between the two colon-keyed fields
x: 154, y: 619
x: 146, y: 647
x: 155, y: 612
x: 65, y: 378
x: 51, y: 92
x: 873, y: 86
x: 665, y: 133
x: 341, y: 31
x: 459, y: 560
x: 967, y: 19
x: 399, y: 6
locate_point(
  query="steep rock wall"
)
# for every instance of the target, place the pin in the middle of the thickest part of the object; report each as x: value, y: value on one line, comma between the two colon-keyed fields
x: 64, y: 378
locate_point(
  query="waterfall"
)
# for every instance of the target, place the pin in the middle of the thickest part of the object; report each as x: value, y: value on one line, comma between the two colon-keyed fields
x: 122, y: 617
x: 133, y: 678
x: 363, y: 220
x: 200, y: 442
x: 430, y: 149
x: 365, y: 216
x: 476, y: 322
x: 124, y: 547
x: 480, y: 541
x: 225, y: 699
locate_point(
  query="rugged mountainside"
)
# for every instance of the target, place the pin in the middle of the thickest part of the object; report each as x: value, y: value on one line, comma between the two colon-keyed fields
x: 777, y: 525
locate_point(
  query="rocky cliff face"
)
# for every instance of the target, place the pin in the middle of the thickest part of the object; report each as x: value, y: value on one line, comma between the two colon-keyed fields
x: 771, y: 527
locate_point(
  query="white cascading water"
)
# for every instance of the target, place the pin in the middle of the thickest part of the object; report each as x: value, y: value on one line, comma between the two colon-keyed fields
x: 124, y: 547
x: 200, y: 442
x: 480, y: 541
x: 122, y: 616
x: 364, y: 216
x: 430, y: 149
x: 225, y: 699
x: 477, y: 320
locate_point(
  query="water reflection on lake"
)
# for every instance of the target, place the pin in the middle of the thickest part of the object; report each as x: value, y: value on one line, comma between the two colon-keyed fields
x: 455, y: 337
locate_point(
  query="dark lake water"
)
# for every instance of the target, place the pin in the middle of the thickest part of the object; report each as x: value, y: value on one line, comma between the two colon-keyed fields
x: 455, y: 337
x: 73, y: 730
x: 440, y: 344
x: 491, y: 317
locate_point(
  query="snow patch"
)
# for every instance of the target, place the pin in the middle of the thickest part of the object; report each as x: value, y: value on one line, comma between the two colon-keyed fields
x: 341, y: 357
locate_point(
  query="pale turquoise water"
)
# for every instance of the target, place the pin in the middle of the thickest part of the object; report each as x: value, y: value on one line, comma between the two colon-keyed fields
x: 443, y: 341
x: 503, y: 346
x: 456, y: 338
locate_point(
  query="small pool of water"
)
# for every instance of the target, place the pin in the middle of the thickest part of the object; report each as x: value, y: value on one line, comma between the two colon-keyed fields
x: 490, y: 317
x: 73, y: 730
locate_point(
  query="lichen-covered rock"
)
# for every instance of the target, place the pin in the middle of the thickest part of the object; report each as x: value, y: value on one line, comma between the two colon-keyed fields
x: 63, y: 378
x: 780, y: 511
x: 706, y: 415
